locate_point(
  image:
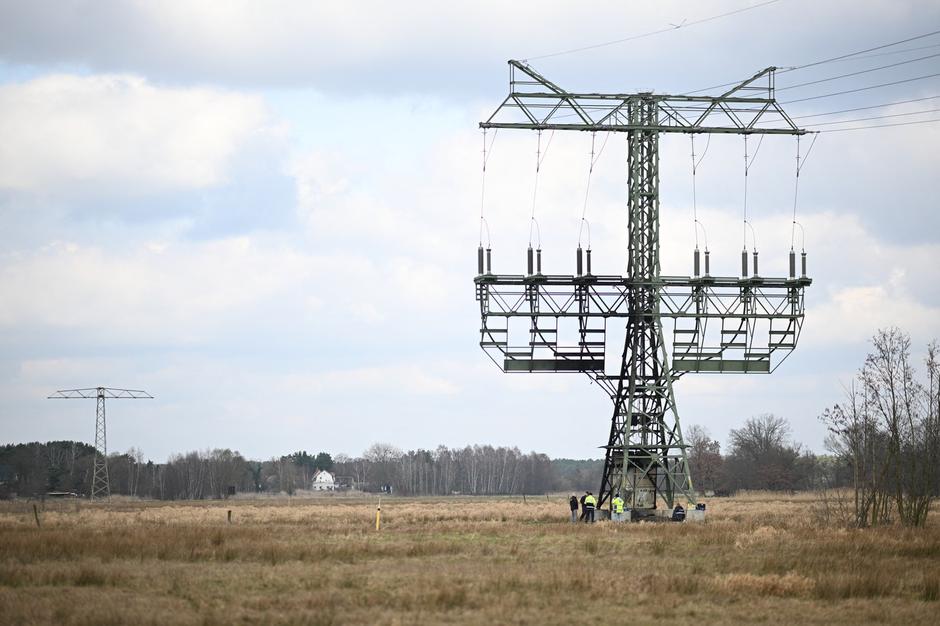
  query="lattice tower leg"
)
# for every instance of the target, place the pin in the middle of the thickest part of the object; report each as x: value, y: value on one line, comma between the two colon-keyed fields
x: 100, y: 483
x: 645, y: 457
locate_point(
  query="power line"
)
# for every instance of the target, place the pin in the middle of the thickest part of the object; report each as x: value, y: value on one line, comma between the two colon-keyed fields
x: 829, y: 60
x: 892, y: 52
x: 874, y: 106
x: 840, y: 93
x: 651, y: 33
x: 871, y: 69
x: 876, y: 117
x: 852, y: 54
x: 839, y: 130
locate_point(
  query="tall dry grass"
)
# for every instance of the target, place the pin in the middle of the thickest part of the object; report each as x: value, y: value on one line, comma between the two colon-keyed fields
x: 760, y: 557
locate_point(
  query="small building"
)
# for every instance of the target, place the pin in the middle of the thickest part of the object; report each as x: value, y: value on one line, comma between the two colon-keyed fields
x: 323, y: 481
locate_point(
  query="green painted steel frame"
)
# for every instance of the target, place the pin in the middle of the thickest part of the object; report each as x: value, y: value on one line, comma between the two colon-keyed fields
x: 645, y: 445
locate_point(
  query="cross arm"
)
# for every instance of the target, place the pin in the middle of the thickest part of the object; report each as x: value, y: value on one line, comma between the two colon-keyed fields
x: 104, y: 392
x: 536, y: 103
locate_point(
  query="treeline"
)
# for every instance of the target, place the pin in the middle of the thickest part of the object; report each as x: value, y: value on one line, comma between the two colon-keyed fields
x: 761, y: 456
x: 36, y: 469
x: 473, y: 470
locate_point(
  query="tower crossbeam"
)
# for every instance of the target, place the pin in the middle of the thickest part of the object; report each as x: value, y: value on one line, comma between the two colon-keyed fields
x: 535, y: 103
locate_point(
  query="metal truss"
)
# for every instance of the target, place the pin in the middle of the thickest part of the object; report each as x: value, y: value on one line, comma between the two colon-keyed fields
x: 720, y: 325
x: 101, y: 392
x: 536, y: 103
x: 100, y: 482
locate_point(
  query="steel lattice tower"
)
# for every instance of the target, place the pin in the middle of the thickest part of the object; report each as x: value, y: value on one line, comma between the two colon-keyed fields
x: 722, y: 324
x: 645, y: 438
x: 100, y: 482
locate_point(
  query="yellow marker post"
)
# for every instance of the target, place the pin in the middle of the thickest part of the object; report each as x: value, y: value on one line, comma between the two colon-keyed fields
x: 378, y: 515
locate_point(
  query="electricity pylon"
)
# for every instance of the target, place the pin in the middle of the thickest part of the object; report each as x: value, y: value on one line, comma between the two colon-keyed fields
x: 722, y: 324
x: 100, y: 483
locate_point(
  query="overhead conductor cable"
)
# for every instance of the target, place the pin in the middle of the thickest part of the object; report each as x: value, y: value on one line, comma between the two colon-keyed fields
x: 841, y: 57
x: 660, y: 31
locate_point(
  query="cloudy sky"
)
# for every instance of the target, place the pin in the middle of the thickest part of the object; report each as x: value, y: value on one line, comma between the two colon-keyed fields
x: 266, y: 214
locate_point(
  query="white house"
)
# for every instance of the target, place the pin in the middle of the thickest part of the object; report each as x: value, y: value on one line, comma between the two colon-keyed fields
x: 323, y: 481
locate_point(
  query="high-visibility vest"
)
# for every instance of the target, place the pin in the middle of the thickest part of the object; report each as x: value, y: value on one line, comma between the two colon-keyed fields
x: 618, y: 505
x: 590, y: 501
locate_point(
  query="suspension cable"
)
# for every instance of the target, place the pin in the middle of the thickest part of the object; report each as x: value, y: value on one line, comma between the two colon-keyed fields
x: 695, y: 163
x: 487, y: 152
x: 747, y: 166
x: 796, y: 190
x: 745, y: 192
x: 539, y: 157
x: 587, y: 188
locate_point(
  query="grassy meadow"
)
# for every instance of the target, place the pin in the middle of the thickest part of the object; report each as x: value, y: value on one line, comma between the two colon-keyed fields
x: 759, y: 558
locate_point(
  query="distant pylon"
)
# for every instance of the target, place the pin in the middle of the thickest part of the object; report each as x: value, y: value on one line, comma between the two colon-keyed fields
x: 100, y: 482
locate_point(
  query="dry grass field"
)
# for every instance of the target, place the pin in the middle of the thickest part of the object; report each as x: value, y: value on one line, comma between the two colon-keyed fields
x: 759, y: 558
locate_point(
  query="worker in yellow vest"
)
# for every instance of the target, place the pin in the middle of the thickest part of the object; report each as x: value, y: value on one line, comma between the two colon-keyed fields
x: 617, y: 508
x: 590, y: 502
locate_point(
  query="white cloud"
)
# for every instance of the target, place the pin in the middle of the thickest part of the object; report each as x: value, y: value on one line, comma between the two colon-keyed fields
x: 853, y: 314
x: 118, y: 131
x: 165, y: 291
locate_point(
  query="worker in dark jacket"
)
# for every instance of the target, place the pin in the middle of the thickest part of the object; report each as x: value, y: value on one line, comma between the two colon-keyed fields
x: 590, y: 503
x: 583, y: 508
x: 573, y: 503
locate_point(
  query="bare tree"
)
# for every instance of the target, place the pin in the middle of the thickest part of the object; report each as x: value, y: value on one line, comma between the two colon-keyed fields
x: 383, y: 458
x: 902, y: 406
x: 135, y: 457
x: 704, y: 456
x: 762, y: 456
x: 888, y: 429
x: 856, y: 438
